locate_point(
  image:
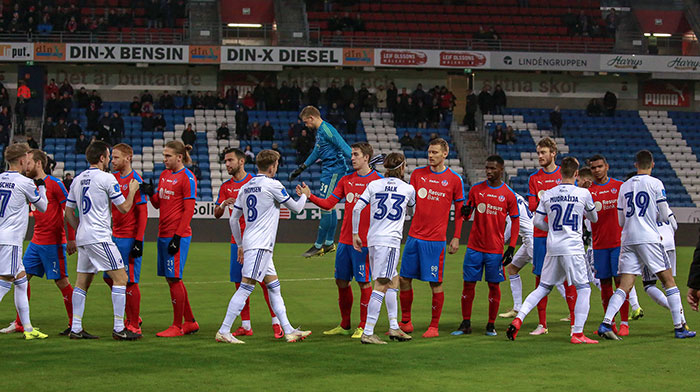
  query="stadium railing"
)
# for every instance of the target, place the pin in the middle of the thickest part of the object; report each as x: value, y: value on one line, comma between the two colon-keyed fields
x: 127, y: 37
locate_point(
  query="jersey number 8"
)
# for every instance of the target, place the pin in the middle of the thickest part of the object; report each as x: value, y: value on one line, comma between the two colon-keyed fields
x: 396, y: 209
x: 251, y: 201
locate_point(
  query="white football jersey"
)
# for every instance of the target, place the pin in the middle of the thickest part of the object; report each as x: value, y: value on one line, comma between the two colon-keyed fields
x: 388, y: 199
x: 16, y: 190
x: 259, y: 202
x: 667, y: 231
x: 638, y: 200
x: 565, y: 206
x: 525, y: 222
x: 91, y: 193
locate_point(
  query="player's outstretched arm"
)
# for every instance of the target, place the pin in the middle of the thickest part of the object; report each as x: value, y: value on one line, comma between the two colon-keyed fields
x: 235, y: 225
x: 326, y: 204
x: 129, y: 202
x: 42, y: 202
x: 296, y: 206
x: 221, y: 208
x: 591, y: 215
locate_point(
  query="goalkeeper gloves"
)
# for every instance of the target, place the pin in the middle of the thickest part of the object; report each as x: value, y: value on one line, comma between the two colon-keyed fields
x: 174, y: 245
x: 297, y: 172
x: 508, y: 256
x: 39, y: 182
x: 137, y: 249
x: 147, y: 188
x: 466, y: 211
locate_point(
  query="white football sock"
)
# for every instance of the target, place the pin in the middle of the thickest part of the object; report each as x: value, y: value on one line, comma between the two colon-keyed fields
x: 657, y: 295
x: 275, y: 320
x: 516, y: 287
x: 246, y: 325
x: 633, y: 300
x: 5, y: 288
x: 22, y: 303
x: 375, y: 306
x: 78, y: 309
x: 616, y: 301
x: 562, y: 290
x: 532, y: 300
x: 583, y: 305
x: 275, y: 293
x: 118, y: 304
x: 235, y: 306
x: 392, y: 307
x: 673, y: 295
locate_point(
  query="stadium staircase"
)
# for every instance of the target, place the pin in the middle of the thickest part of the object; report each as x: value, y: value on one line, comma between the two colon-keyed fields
x: 292, y: 25
x: 618, y: 138
x: 204, y: 16
x: 683, y: 146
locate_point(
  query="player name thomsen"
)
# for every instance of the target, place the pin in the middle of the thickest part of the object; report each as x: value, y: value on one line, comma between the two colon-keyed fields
x: 7, y: 185
x: 557, y: 199
x: 253, y: 189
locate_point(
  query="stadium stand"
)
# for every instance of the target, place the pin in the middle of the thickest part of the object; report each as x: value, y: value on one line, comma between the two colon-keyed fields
x: 618, y: 138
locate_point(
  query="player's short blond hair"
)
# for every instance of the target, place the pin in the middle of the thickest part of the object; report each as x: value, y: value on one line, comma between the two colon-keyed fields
x: 16, y: 151
x: 266, y: 158
x: 309, y: 111
x: 440, y: 142
x: 548, y: 142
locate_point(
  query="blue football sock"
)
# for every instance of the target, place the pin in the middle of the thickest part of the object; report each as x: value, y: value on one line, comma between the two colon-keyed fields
x: 332, y: 224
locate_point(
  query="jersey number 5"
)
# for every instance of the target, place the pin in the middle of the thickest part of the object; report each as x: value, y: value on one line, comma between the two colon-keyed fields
x: 396, y: 209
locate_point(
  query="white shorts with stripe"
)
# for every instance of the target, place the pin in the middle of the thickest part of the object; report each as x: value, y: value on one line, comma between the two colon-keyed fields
x: 571, y: 268
x: 11, y: 260
x: 523, y: 255
x: 257, y: 264
x: 635, y: 258
x: 671, y: 256
x: 100, y: 256
x: 383, y: 261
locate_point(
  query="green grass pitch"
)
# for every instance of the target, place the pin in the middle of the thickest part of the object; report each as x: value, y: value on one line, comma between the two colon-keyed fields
x: 649, y: 357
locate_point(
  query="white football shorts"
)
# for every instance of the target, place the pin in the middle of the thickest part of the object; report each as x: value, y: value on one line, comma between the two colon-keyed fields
x: 383, y: 261
x: 633, y: 259
x: 11, y: 260
x: 523, y: 255
x: 100, y: 256
x: 257, y: 264
x: 572, y: 268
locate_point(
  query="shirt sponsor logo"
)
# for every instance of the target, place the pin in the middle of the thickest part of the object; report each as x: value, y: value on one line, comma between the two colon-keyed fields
x: 501, y: 198
x: 444, y: 182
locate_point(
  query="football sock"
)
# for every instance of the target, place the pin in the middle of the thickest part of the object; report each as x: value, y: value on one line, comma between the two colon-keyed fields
x: 406, y: 302
x: 365, y: 294
x: 468, y: 289
x: 5, y: 288
x: 634, y: 302
x: 332, y: 225
x: 542, y: 305
x: 534, y: 299
x: 187, y: 310
x: 561, y: 287
x: 616, y: 301
x: 267, y: 300
x: 245, y: 313
x: 494, y: 301
x: 323, y: 227
x: 22, y: 302
x: 571, y: 300
x: 392, y: 307
x: 673, y: 295
x: 583, y: 306
x: 657, y: 295
x: 177, y: 296
x: 375, y: 306
x: 438, y: 300
x: 235, y: 305
x: 516, y: 287
x: 118, y: 305
x: 275, y: 320
x: 108, y: 280
x: 275, y: 292
x: 67, y: 293
x: 625, y: 311
x: 133, y: 303
x: 345, y: 304
x: 18, y: 321
x: 78, y: 309
x: 246, y: 323
x: 606, y: 291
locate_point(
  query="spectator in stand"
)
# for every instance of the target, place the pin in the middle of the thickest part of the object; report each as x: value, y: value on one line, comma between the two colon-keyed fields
x: 209, y: 101
x: 20, y: 115
x: 334, y: 115
x: 272, y: 96
x: 569, y: 20
x: 159, y: 123
x: 60, y: 130
x: 370, y: 104
x: 4, y: 96
x: 333, y: 94
x: 406, y: 141
x: 231, y: 98
x: 510, y: 135
x: 47, y: 130
x: 433, y: 136
x: 485, y: 101
x: 556, y: 121
x: 434, y: 114
x: 178, y: 100
x: 276, y: 147
x: 189, y: 137
x: 53, y: 106
x: 146, y: 96
x: 68, y: 178
x: 295, y: 94
x: 30, y: 140
x: 381, y: 99
x: 583, y: 24
x: 391, y: 95
x: 611, y: 22
x: 82, y: 98
x: 152, y: 8
x: 198, y: 101
x: 422, y: 113
x: 419, y: 94
x: 242, y: 123
x: 258, y: 96
x: 45, y: 26
x: 610, y: 103
x: 166, y: 100
x: 304, y: 145
x: 499, y: 100
x: 116, y: 127
x: 419, y: 142
x: 362, y: 96
x: 65, y: 88
x: 51, y: 88
x: 470, y: 110
x: 267, y: 132
x: 249, y: 155
x: 254, y: 131
x: 221, y: 101
x: 135, y: 107
x: 74, y: 129
x: 223, y: 132
x: 352, y: 117
x: 189, y: 100
x: 499, y: 136
x: 410, y: 113
x: 105, y: 122
x: 147, y: 109
x: 249, y: 102
x: 95, y: 97
x: 400, y: 114
x: 594, y: 108
x: 313, y: 95
x: 447, y: 102
x: 284, y: 95
x: 66, y: 105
